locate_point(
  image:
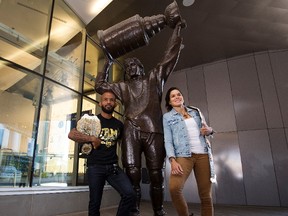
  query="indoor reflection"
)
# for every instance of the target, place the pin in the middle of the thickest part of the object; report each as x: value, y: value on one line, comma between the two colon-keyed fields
x: 40, y: 92
x: 54, y: 152
x: 93, y: 60
x: 20, y: 41
x: 18, y: 88
x: 66, y: 50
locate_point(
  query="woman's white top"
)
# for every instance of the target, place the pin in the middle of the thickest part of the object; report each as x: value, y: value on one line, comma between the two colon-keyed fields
x: 193, y: 134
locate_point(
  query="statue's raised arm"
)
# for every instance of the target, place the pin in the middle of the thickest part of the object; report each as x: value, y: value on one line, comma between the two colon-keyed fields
x: 171, y: 56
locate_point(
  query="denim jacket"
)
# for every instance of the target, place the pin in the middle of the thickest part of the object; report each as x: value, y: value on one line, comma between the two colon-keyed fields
x: 176, y: 136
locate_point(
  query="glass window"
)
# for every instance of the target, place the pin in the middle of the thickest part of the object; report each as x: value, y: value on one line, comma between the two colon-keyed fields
x: 93, y: 63
x: 54, y: 161
x: 39, y: 109
x: 65, y: 57
x: 18, y: 92
x: 23, y: 31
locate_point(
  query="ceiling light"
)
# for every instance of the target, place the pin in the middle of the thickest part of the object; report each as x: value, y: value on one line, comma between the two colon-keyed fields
x: 87, y: 9
x: 99, y: 5
x: 187, y: 3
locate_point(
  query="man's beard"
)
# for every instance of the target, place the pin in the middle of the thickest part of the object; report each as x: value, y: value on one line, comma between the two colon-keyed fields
x: 108, y: 111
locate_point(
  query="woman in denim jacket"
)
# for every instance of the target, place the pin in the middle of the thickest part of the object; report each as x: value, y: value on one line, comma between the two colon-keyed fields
x: 187, y: 147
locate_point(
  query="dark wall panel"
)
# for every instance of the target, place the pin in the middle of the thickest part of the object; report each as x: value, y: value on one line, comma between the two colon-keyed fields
x: 268, y: 90
x: 219, y: 97
x: 246, y: 94
x: 197, y: 90
x: 279, y: 148
x: 279, y: 62
x: 257, y: 162
x: 230, y: 186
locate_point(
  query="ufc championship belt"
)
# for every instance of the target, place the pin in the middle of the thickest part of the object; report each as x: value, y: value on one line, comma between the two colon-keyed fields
x: 89, y: 125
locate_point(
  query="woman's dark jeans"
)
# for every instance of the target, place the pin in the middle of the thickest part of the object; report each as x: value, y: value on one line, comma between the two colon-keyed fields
x: 97, y: 175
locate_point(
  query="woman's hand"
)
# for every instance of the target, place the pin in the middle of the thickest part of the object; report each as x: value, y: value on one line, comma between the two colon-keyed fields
x: 176, y: 168
x: 205, y: 130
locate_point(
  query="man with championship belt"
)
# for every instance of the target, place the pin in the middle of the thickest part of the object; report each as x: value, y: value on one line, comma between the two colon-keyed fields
x: 102, y: 161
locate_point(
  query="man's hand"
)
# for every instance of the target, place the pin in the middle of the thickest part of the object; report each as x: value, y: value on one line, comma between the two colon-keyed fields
x: 84, y: 138
x: 96, y: 142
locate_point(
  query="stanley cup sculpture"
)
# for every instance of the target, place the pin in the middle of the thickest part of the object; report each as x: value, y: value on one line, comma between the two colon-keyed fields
x: 136, y: 31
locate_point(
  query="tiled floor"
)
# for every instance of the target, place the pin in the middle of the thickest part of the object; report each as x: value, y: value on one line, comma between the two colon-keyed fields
x: 220, y: 210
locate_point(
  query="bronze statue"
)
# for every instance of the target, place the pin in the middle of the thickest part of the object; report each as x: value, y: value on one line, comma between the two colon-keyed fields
x: 141, y: 95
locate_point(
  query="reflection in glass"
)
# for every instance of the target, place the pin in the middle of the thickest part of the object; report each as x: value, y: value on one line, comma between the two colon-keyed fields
x: 18, y: 90
x: 65, y: 57
x: 93, y: 63
x: 21, y: 41
x: 55, y: 152
x: 37, y: 109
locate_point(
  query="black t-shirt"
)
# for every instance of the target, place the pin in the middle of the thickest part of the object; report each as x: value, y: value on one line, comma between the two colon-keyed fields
x: 111, y: 131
